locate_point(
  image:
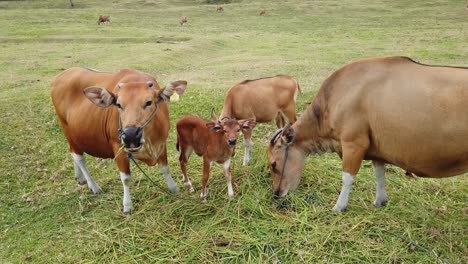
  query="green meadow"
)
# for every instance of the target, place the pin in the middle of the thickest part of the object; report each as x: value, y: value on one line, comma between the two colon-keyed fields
x: 46, y: 217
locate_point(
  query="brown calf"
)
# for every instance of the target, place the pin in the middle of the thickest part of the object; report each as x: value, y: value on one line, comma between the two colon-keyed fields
x: 220, y: 9
x: 213, y: 140
x: 264, y: 100
x: 263, y: 12
x: 103, y: 19
x: 388, y: 110
x: 183, y: 21
x: 84, y: 101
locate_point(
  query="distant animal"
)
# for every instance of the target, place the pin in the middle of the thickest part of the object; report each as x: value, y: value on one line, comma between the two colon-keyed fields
x: 263, y: 12
x: 71, y: 4
x: 264, y: 100
x: 220, y: 9
x: 103, y: 19
x: 214, y: 140
x: 389, y: 110
x: 102, y: 113
x: 183, y: 21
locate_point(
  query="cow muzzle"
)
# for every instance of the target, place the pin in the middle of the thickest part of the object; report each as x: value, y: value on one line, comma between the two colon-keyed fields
x: 232, y: 142
x: 132, y: 137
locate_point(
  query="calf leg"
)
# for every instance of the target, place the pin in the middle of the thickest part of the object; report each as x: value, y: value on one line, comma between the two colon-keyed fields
x: 81, y: 170
x: 183, y: 159
x: 206, y: 176
x: 353, y: 153
x: 227, y: 174
x: 247, y: 145
x: 381, y: 195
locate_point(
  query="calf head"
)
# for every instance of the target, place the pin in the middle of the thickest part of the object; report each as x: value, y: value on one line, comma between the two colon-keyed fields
x: 230, y: 127
x: 137, y: 103
x: 286, y: 161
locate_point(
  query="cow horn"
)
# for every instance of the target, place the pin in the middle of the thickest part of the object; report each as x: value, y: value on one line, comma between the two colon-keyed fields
x: 120, y: 85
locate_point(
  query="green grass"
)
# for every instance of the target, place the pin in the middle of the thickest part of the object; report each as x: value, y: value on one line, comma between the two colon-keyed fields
x: 46, y: 217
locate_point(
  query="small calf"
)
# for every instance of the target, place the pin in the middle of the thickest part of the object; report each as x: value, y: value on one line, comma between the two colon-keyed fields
x: 213, y: 140
x: 103, y: 19
x: 183, y: 21
x: 220, y: 9
x: 263, y: 12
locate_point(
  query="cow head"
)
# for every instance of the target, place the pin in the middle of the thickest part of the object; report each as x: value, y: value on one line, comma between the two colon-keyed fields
x: 137, y: 103
x: 230, y: 127
x: 286, y: 161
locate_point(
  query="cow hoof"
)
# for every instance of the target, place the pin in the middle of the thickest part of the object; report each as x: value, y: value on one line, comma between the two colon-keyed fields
x: 97, y: 190
x: 127, y: 213
x: 174, y: 189
x: 380, y: 203
x: 338, y: 209
x: 191, y: 190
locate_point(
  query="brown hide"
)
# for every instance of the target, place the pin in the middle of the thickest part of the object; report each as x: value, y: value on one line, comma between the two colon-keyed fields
x: 389, y: 110
x: 262, y: 99
x: 103, y: 19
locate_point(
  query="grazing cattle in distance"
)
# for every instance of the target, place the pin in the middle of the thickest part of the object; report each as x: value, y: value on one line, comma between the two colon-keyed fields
x: 103, y: 19
x: 214, y: 140
x: 100, y: 111
x: 220, y: 9
x: 264, y: 100
x: 183, y: 21
x: 263, y: 13
x: 389, y: 110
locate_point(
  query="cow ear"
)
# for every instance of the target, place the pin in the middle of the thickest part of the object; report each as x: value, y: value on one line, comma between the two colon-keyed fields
x: 248, y: 124
x: 287, y: 135
x: 100, y: 96
x: 177, y: 86
x: 215, y: 126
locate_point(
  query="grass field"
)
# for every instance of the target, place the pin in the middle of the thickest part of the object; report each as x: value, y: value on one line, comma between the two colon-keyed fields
x: 45, y: 217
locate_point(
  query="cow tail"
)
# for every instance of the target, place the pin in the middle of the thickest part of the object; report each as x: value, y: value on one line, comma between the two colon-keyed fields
x: 298, y: 87
x: 177, y: 144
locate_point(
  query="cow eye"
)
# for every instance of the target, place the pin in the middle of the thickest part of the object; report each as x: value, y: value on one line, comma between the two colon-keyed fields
x: 225, y: 131
x: 118, y: 106
x: 273, y: 167
x: 148, y: 103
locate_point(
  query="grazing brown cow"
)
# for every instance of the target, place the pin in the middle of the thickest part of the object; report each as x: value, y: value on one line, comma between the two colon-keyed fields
x: 264, y: 100
x: 214, y: 141
x: 139, y: 121
x: 388, y: 110
x: 263, y: 13
x: 103, y: 19
x: 183, y: 21
x: 220, y: 9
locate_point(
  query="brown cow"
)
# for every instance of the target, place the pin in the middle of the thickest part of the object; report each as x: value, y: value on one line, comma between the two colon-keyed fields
x: 263, y: 13
x: 220, y: 9
x: 183, y: 21
x: 388, y: 110
x: 139, y: 121
x: 103, y: 19
x: 264, y: 100
x: 215, y: 141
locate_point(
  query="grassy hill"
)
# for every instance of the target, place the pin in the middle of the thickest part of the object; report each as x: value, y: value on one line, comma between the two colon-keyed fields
x: 46, y: 217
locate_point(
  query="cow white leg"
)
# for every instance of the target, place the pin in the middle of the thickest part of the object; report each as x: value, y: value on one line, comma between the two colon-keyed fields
x: 381, y: 195
x: 127, y: 199
x: 80, y: 162
x: 170, y: 182
x: 78, y: 174
x: 248, y: 151
x: 227, y: 174
x: 342, y: 202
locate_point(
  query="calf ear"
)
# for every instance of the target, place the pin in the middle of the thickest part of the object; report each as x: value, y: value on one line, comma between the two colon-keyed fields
x: 248, y: 124
x: 100, y: 96
x: 215, y: 126
x: 177, y: 86
x: 287, y: 136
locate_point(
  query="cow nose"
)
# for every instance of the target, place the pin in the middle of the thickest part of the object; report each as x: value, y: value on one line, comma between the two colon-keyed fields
x: 132, y: 136
x: 276, y: 195
x: 232, y: 141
